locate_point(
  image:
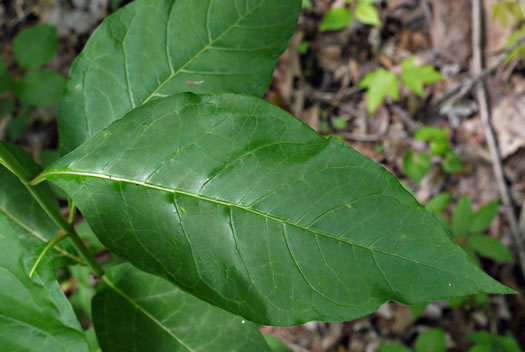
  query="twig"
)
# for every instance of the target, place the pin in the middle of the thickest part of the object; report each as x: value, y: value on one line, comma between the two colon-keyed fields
x: 484, y: 111
x: 448, y: 100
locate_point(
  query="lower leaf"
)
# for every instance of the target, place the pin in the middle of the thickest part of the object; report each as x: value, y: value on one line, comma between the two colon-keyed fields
x: 32, y: 317
x: 136, y: 311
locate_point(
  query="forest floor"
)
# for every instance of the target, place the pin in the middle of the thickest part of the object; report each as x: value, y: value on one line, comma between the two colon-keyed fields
x: 317, y: 80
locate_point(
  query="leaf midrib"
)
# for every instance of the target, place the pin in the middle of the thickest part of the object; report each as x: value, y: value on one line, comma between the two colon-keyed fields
x: 45, y: 175
x: 198, y: 54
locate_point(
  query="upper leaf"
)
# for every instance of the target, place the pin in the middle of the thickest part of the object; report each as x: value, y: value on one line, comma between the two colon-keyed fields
x: 161, y: 317
x: 152, y: 49
x: 244, y: 206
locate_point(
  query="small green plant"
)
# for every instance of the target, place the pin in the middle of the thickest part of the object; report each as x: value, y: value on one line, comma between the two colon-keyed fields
x: 417, y: 165
x: 509, y: 13
x: 434, y: 340
x: 32, y: 48
x: 339, y: 18
x: 467, y: 227
x: 223, y: 210
x: 381, y: 83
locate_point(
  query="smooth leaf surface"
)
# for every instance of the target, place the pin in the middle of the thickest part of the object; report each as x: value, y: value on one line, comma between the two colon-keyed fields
x: 40, y: 88
x: 416, y: 165
x: 462, y: 217
x: 33, y: 317
x: 433, y: 340
x: 35, y: 46
x: 484, y: 217
x: 246, y: 207
x: 154, y: 49
x: 336, y: 19
x: 489, y: 247
x: 439, y: 203
x: 137, y: 311
x: 367, y: 13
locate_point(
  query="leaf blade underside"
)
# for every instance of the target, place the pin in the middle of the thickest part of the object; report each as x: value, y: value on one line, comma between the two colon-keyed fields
x: 244, y: 206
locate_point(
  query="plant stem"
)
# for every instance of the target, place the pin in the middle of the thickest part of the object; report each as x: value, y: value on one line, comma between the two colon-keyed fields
x: 72, y: 213
x: 12, y: 164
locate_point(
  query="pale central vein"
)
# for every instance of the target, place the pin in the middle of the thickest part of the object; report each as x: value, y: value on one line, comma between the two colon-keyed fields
x: 233, y: 205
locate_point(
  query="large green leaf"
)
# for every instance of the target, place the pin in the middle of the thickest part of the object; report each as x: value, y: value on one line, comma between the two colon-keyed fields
x: 152, y: 49
x: 246, y: 207
x: 32, y: 317
x: 161, y: 317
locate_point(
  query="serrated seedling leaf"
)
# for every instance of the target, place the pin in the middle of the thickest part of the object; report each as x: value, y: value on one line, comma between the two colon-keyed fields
x: 379, y: 84
x: 415, y: 77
